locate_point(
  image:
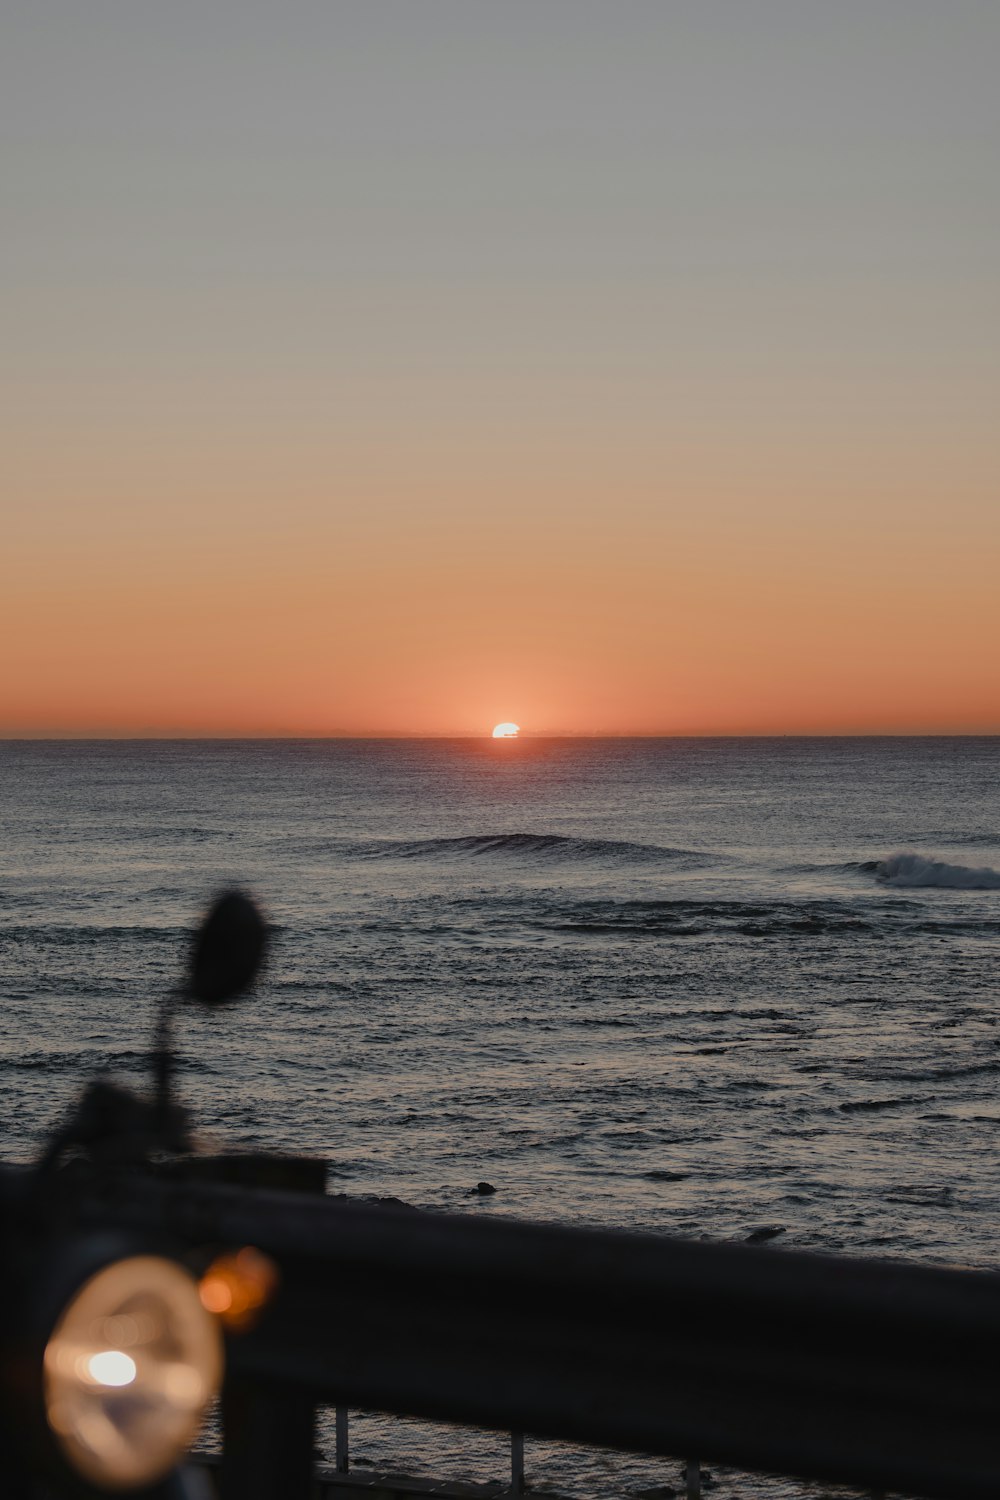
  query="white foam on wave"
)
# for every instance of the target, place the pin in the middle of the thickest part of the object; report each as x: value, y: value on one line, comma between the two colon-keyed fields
x: 915, y: 870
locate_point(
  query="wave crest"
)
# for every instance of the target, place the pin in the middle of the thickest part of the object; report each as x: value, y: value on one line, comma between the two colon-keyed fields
x: 532, y: 846
x: 913, y: 870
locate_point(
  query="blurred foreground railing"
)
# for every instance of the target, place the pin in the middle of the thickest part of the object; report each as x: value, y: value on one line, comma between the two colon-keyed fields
x: 876, y: 1375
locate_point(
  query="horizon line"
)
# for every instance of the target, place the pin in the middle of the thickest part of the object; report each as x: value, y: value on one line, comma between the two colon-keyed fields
x: 480, y: 735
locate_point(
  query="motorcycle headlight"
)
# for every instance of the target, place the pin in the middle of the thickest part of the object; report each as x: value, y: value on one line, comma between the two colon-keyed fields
x: 129, y: 1371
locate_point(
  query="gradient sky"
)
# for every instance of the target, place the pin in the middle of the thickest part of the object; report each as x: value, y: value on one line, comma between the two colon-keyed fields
x: 612, y: 367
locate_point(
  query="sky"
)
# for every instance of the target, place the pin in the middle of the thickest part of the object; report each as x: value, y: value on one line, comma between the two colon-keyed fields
x: 404, y: 366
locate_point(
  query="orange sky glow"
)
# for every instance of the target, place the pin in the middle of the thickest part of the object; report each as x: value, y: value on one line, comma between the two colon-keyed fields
x: 409, y: 620
x: 342, y: 398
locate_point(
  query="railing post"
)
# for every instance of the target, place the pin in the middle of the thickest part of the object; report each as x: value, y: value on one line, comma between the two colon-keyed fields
x: 343, y: 1455
x: 692, y: 1479
x: 517, y: 1463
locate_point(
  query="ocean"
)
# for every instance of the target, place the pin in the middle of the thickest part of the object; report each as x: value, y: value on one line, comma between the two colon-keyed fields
x: 708, y: 987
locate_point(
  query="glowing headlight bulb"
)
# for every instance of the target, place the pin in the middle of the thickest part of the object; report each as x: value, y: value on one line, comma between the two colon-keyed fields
x: 111, y: 1367
x: 130, y: 1369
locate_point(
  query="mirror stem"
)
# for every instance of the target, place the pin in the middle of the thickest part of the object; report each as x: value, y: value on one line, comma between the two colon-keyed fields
x: 163, y: 1063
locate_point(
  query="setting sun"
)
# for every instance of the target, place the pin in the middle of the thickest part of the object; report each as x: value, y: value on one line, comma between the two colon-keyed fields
x: 506, y: 731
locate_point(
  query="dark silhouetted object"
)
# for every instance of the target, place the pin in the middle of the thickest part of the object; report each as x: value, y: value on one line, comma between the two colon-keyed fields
x: 228, y: 950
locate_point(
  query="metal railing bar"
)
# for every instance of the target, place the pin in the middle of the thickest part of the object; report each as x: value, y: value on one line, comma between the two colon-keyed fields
x: 882, y: 1376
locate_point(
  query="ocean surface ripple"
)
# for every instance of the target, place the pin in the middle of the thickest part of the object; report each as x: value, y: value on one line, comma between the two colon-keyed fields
x: 702, y: 987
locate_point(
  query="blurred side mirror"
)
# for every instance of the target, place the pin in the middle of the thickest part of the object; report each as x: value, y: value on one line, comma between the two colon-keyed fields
x: 228, y: 950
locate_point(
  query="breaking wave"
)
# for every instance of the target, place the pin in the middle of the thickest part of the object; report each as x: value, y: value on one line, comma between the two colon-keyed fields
x: 913, y: 870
